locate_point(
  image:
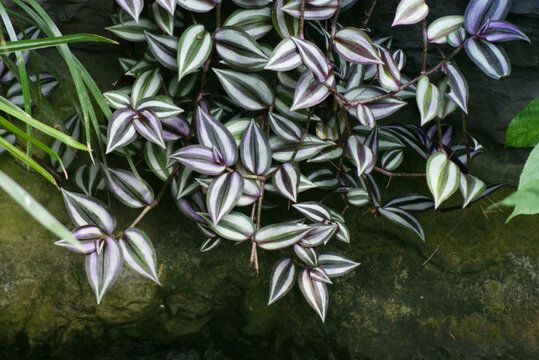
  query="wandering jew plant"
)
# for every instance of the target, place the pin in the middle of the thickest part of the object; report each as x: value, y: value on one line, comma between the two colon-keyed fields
x: 257, y: 105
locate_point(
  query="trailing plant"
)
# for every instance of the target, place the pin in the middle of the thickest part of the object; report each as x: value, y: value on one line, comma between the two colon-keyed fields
x: 264, y: 105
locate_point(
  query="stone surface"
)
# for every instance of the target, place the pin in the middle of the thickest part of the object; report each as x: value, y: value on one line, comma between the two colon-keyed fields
x: 476, y: 298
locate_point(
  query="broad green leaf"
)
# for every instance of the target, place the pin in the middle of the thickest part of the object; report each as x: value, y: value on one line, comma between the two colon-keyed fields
x: 523, y: 130
x: 442, y: 177
x: 194, y: 48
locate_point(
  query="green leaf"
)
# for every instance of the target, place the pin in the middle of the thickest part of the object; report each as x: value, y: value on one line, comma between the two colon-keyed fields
x: 526, y: 199
x: 194, y: 48
x: 523, y: 131
x: 442, y: 177
x: 34, y: 44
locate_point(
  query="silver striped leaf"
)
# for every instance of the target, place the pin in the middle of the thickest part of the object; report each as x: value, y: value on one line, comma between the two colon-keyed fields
x: 255, y: 22
x: 362, y: 156
x: 480, y: 12
x: 389, y: 75
x: 315, y: 292
x: 286, y: 181
x: 161, y: 105
x: 324, y: 178
x: 410, y: 12
x: 88, y: 235
x: 459, y: 86
x: 251, y: 192
x: 381, y: 108
x: 223, y: 194
x: 174, y: 128
x: 47, y: 83
x: 355, y: 46
x: 443, y: 177
x: 248, y: 91
x: 252, y: 3
x: 168, y: 5
x: 132, y: 7
x: 120, y: 131
x: 500, y: 31
x: 164, y: 48
x: 327, y: 155
x: 157, y: 160
x: 184, y: 183
x: 163, y: 19
x: 131, y: 30
x: 457, y: 37
x: 392, y: 159
x: 288, y: 79
x: 194, y: 48
x: 439, y: 29
x: 336, y: 265
x: 402, y: 218
x: 12, y: 139
x: 66, y: 153
x: 86, y: 210
x: 200, y: 159
x: 319, y: 274
x: 282, y: 279
x: 490, y: 58
x: 372, y: 186
x: 103, y: 269
x: 284, y: 57
x: 283, y: 103
x: 211, y: 133
x: 138, y: 253
x: 313, y: 211
x: 318, y: 235
x: 357, y: 197
x: 310, y: 92
x: 210, y: 244
x: 198, y: 6
x: 314, y: 10
x: 470, y: 188
x: 234, y: 226
x: 284, y: 128
x: 237, y: 127
x: 308, y: 255
x: 126, y: 187
x: 146, y: 85
x: 365, y: 116
x: 428, y: 99
x: 313, y: 58
x: 239, y: 49
x: 191, y: 206
x: 411, y: 202
x: 255, y: 151
x: 117, y: 99
x: 148, y: 125
x: 87, y: 178
x: 284, y: 24
x: 280, y: 235
x: 343, y: 233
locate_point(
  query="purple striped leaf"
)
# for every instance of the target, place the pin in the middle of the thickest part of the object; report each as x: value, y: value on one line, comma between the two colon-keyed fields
x: 318, y: 234
x: 490, y: 58
x: 191, y: 206
x: 234, y: 226
x: 319, y: 274
x: 365, y: 116
x: 314, y: 10
x: 212, y: 133
x: 248, y: 91
x: 284, y: 24
x: 286, y: 181
x: 131, y: 30
x: 324, y: 178
x: 355, y: 46
x: 313, y: 211
x: 311, y: 146
x: 389, y: 75
x: 139, y: 254
x: 194, y: 47
x: 198, y: 6
x: 251, y: 192
x: 457, y: 37
x: 157, y: 160
x: 168, y: 5
x: 256, y: 22
x: 200, y: 159
x: 480, y: 12
x: 239, y: 49
x: 255, y: 151
x: 88, y: 236
x: 120, y: 131
x: 402, y: 218
x: 132, y: 7
x: 162, y: 106
x: 284, y: 57
x: 285, y: 129
x: 117, y: 99
x: 381, y: 108
x: 86, y: 210
x: 308, y: 255
x: 459, y: 86
x: 174, y: 128
x: 315, y: 292
x: 164, y: 48
x: 336, y: 265
x: 310, y: 92
x: 428, y: 98
x: 313, y: 58
x: 440, y: 28
x: 223, y: 194
x: 412, y: 202
x: 148, y: 125
x: 184, y: 183
x: 362, y: 156
x: 410, y: 12
x: 343, y: 234
x: 500, y: 31
x: 282, y: 279
x: 130, y: 190
x: 281, y: 235
x: 103, y: 269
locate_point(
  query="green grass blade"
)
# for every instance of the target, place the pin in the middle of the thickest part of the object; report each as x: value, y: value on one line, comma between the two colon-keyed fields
x: 21, y: 155
x: 35, y: 209
x: 34, y: 44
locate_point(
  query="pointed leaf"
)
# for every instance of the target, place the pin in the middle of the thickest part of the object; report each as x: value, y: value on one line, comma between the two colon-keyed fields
x: 318, y: 234
x: 103, y: 269
x: 480, y: 12
x: 194, y: 47
x: 120, y: 131
x: 362, y: 156
x: 200, y: 159
x: 310, y: 92
x: 315, y: 292
x: 132, y: 7
x: 442, y: 177
x: 470, y: 188
x: 428, y: 99
x: 138, y: 253
x: 490, y: 58
x: 403, y: 218
x: 410, y: 12
x: 198, y: 6
x: 281, y: 235
x: 336, y: 265
x: 313, y: 211
x: 389, y: 75
x: 313, y: 58
x: 223, y: 194
x: 282, y: 279
x: 256, y: 22
x: 248, y: 91
x: 211, y: 133
x: 286, y: 181
x: 239, y: 49
x: 255, y: 151
x: 234, y: 226
x: 284, y: 24
x: 284, y: 57
x: 87, y: 178
x: 164, y: 48
x: 146, y: 85
x: 127, y: 188
x: 148, y: 125
x: 458, y: 85
x: 439, y: 29
x: 355, y: 46
x: 86, y: 210
x: 131, y: 30
x: 168, y: 5
x: 163, y: 19
x: 500, y: 31
x: 284, y: 128
x: 412, y: 202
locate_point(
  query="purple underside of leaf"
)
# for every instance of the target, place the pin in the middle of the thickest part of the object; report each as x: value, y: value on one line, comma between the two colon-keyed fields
x: 120, y: 131
x: 149, y: 126
x: 479, y: 12
x: 200, y: 159
x: 174, y: 128
x: 500, y: 31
